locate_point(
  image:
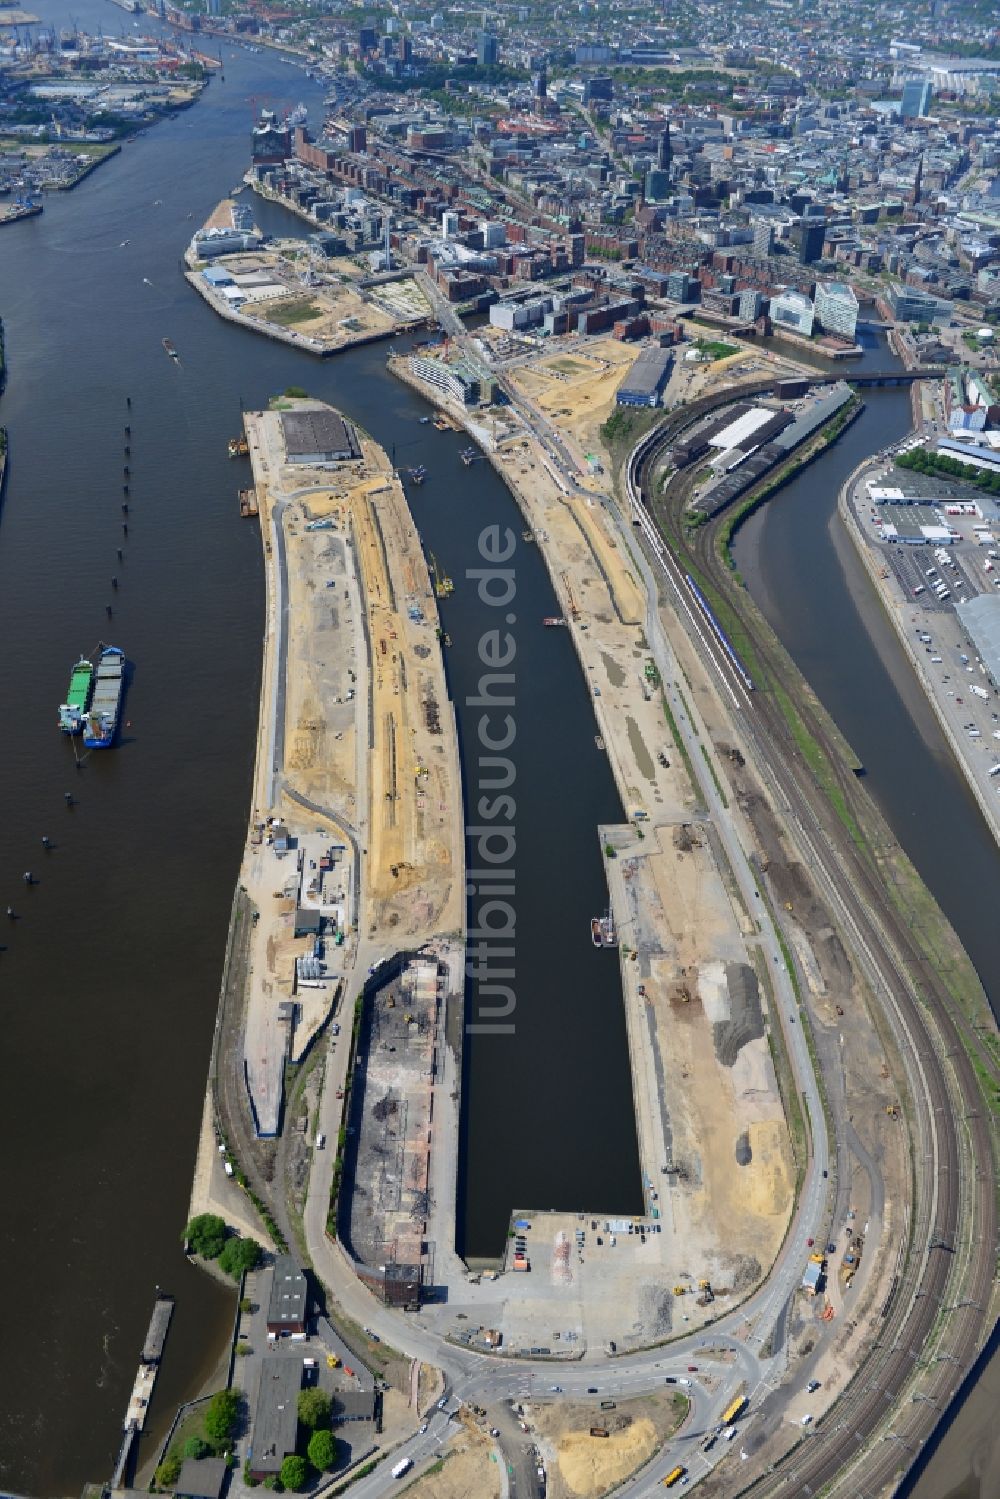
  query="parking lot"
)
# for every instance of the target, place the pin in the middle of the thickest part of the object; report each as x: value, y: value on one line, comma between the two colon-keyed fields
x: 925, y: 580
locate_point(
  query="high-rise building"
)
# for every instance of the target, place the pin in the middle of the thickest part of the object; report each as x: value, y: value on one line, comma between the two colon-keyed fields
x: 541, y: 83
x: 367, y: 39
x: 916, y: 100
x: 598, y: 88
x: 809, y: 237
x: 663, y: 152
x: 763, y: 238
x: 657, y: 186
x: 837, y: 308
x: 751, y: 304
x: 683, y: 287
x: 488, y: 53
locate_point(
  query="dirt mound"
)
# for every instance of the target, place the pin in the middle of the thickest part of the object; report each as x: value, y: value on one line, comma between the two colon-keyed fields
x: 591, y: 1466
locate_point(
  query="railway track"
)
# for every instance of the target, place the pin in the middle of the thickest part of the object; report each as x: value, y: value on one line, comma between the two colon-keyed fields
x: 952, y: 1242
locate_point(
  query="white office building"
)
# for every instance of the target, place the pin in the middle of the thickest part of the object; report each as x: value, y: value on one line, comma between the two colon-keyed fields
x: 837, y: 308
x: 792, y: 309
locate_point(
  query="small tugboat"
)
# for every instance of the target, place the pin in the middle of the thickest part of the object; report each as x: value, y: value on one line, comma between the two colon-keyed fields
x: 527, y: 535
x: 238, y: 447
x: 596, y: 934
x: 418, y: 474
x: 468, y: 456
x: 599, y: 741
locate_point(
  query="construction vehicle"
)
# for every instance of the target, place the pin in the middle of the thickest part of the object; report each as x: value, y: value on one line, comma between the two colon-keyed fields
x: 892, y: 1110
x: 680, y: 1290
x: 332, y: 1361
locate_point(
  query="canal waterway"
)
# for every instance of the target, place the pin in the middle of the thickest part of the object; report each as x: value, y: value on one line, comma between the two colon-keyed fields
x: 802, y: 571
x: 111, y: 971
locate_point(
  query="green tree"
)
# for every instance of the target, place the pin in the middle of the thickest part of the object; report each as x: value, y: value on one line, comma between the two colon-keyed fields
x: 314, y: 1408
x: 168, y: 1472
x: 206, y: 1235
x: 322, y: 1451
x: 197, y: 1447
x: 239, y: 1255
x: 294, y: 1472
x: 221, y: 1416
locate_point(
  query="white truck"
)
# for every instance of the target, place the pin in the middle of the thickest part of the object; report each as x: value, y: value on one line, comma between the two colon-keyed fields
x: 981, y: 692
x: 403, y: 1466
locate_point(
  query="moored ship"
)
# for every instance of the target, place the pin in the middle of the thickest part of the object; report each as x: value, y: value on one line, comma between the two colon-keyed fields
x: 73, y: 711
x: 596, y: 935
x: 101, y: 722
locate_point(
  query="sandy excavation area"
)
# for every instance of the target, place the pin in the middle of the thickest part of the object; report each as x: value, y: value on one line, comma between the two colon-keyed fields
x: 370, y: 562
x: 465, y: 1468
x: 355, y: 749
x: 580, y: 1466
x: 576, y: 390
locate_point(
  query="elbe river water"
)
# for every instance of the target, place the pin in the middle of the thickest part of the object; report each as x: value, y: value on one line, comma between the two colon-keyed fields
x: 110, y: 976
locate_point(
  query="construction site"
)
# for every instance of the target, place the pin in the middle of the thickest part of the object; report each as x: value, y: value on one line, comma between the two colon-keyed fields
x: 385, y: 1200
x: 354, y: 746
x: 714, y: 1144
x: 289, y: 290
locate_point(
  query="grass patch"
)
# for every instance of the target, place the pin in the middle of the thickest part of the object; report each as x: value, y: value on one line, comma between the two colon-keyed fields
x: 782, y: 1063
x: 299, y: 310
x: 712, y: 771
x: 715, y: 348
x: 623, y: 428
x: 679, y: 744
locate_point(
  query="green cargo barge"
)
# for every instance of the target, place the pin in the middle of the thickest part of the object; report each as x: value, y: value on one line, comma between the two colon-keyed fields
x: 73, y: 711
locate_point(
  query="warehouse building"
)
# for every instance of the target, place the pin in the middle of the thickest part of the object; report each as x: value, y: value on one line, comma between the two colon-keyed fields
x: 286, y: 1308
x: 644, y: 383
x: 691, y: 446
x: 987, y: 459
x: 980, y: 619
x: 738, y: 432
x: 276, y: 1418
x: 816, y: 415
x: 318, y: 438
